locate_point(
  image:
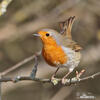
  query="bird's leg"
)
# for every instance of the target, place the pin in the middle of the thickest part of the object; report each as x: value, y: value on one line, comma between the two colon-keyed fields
x: 53, y: 79
x: 63, y: 79
x: 79, y: 74
x: 53, y: 76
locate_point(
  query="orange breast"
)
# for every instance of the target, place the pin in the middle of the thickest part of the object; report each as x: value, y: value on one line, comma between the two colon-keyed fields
x: 54, y: 55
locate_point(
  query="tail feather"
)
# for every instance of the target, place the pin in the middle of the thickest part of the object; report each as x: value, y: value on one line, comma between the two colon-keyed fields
x: 66, y: 27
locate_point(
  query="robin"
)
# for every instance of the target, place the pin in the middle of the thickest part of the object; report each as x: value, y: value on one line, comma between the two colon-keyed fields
x: 59, y: 50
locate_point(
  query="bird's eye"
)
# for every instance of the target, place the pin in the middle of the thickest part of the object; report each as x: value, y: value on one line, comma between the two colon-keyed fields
x: 47, y: 34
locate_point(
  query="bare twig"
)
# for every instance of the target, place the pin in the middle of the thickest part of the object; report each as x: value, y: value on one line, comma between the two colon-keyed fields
x: 34, y: 70
x: 20, y: 64
x: 68, y: 81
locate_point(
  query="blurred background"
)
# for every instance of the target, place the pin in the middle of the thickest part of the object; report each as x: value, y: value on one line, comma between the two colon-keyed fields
x: 25, y: 17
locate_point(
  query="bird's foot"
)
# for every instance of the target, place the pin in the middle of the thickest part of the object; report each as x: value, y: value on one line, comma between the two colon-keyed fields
x: 53, y: 77
x: 78, y: 74
x: 54, y: 80
x: 63, y: 80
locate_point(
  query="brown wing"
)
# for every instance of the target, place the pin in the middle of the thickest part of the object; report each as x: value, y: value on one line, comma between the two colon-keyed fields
x: 70, y: 44
x: 66, y: 27
x: 76, y: 47
x: 66, y: 36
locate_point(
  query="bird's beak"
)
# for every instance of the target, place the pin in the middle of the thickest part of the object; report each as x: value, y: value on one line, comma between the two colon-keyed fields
x: 36, y: 34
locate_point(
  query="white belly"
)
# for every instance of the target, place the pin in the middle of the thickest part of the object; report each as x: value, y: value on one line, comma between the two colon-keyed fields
x: 73, y: 58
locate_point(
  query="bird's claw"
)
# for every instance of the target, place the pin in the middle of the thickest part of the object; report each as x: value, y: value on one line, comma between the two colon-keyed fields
x: 63, y: 81
x: 78, y: 74
x: 53, y: 77
x: 54, y: 80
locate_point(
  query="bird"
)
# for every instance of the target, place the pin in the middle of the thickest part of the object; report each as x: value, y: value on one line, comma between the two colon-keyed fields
x: 59, y: 49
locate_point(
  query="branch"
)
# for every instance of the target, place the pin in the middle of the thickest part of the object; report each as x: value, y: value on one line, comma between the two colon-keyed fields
x: 20, y: 64
x: 32, y: 77
x: 68, y: 81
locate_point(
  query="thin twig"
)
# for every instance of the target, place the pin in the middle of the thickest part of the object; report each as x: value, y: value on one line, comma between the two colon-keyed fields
x: 68, y: 81
x: 34, y: 70
x: 19, y: 64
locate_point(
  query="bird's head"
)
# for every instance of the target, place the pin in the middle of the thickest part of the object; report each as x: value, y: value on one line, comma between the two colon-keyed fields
x: 49, y: 36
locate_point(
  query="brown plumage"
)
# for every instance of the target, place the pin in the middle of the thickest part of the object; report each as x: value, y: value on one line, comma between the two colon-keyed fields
x: 66, y: 27
x: 59, y: 49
